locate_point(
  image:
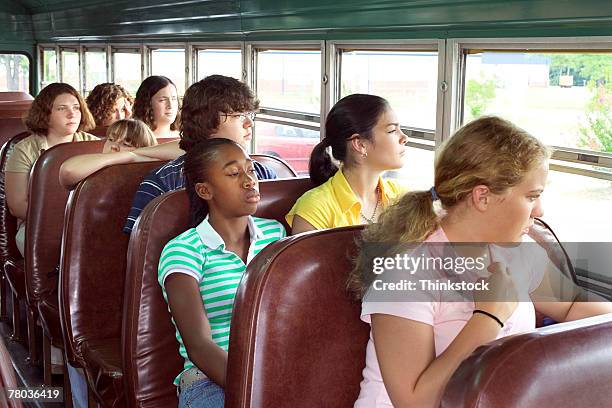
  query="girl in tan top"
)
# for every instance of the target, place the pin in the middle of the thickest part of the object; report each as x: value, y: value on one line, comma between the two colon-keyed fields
x: 58, y: 115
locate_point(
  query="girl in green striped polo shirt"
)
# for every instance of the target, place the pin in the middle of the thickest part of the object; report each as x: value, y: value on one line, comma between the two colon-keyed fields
x: 199, y: 271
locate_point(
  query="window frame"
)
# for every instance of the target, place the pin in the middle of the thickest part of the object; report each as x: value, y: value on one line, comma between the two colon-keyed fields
x: 125, y: 49
x: 418, y: 138
x: 31, y: 79
x: 93, y: 47
x: 456, y: 52
x: 79, y: 51
x: 222, y: 45
x: 305, y: 120
x: 149, y: 48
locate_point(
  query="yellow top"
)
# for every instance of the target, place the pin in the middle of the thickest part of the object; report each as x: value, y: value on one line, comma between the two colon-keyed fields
x: 334, y: 204
x: 29, y: 149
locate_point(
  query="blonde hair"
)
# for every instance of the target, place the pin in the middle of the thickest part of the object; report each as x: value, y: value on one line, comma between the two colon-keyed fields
x: 131, y: 131
x: 489, y: 151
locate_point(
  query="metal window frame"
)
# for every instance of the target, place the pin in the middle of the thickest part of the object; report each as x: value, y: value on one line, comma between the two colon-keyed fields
x: 149, y: 48
x: 222, y: 45
x: 79, y: 51
x: 305, y: 120
x: 41, y: 61
x: 261, y: 46
x: 455, y: 65
x: 423, y: 138
x: 93, y: 47
x: 124, y: 49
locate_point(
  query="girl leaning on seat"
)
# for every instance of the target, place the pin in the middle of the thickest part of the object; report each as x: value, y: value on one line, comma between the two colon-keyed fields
x: 58, y: 115
x: 489, y: 178
x: 199, y: 270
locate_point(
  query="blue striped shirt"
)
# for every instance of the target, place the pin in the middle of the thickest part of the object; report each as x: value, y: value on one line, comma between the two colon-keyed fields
x: 169, y: 177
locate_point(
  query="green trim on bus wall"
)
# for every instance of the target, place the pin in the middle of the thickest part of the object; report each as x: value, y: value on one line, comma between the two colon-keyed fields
x: 132, y: 20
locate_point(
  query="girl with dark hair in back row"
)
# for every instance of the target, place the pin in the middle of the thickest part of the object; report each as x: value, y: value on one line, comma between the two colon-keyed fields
x: 157, y: 105
x: 364, y: 135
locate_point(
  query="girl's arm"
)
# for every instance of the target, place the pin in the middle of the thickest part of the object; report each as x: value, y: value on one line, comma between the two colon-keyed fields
x: 163, y: 151
x: 300, y: 225
x: 405, y: 349
x: 187, y: 310
x: 78, y: 167
x: 16, y: 187
x: 560, y: 298
x: 413, y: 376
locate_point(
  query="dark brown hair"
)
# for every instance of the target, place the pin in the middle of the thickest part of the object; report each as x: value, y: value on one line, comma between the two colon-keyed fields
x: 142, y: 104
x: 37, y: 120
x: 353, y: 114
x: 197, y: 162
x: 205, y: 100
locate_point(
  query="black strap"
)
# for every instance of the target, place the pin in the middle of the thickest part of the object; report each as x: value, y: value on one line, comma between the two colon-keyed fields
x: 492, y: 316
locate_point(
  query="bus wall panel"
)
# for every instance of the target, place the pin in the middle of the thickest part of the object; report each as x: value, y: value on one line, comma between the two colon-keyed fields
x: 129, y: 20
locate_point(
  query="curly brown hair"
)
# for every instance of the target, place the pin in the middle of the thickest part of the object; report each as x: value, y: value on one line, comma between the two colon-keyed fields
x: 37, y: 120
x: 205, y: 100
x: 101, y: 101
x: 142, y: 104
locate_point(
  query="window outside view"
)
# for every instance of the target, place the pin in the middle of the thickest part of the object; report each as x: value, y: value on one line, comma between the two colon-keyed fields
x: 70, y: 68
x: 14, y: 72
x: 170, y: 63
x: 219, y: 61
x: 564, y: 99
x: 126, y: 70
x: 288, y: 80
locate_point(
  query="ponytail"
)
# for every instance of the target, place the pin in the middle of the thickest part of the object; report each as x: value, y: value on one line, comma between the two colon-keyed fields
x: 410, y: 220
x: 510, y: 151
x: 198, y: 208
x: 321, y: 166
x: 356, y: 114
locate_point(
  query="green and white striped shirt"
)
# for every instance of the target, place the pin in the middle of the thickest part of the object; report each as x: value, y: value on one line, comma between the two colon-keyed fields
x: 200, y: 252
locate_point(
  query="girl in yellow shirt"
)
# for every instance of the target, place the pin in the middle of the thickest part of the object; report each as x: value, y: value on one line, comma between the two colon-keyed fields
x: 364, y: 135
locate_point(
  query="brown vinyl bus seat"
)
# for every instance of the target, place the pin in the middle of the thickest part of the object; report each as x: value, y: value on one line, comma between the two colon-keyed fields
x: 9, y: 254
x: 15, y: 96
x: 563, y: 366
x: 11, y: 118
x: 297, y: 339
x: 280, y: 167
x: 93, y: 263
x: 150, y: 351
x: 44, y: 225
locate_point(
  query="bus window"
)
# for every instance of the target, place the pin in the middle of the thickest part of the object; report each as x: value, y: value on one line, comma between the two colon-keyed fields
x: 70, y: 68
x: 170, y: 62
x: 565, y: 100
x: 219, y: 61
x: 95, y: 68
x: 14, y: 72
x: 291, y: 143
x: 289, y: 79
x: 127, y: 69
x: 49, y: 64
x: 408, y: 80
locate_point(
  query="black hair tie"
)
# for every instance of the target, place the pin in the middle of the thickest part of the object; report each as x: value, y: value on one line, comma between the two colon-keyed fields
x: 492, y: 316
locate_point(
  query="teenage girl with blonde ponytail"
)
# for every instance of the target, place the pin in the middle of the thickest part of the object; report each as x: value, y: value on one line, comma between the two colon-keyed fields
x: 488, y: 178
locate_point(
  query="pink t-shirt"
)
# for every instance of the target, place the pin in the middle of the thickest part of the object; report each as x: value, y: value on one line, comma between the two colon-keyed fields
x: 449, y: 318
